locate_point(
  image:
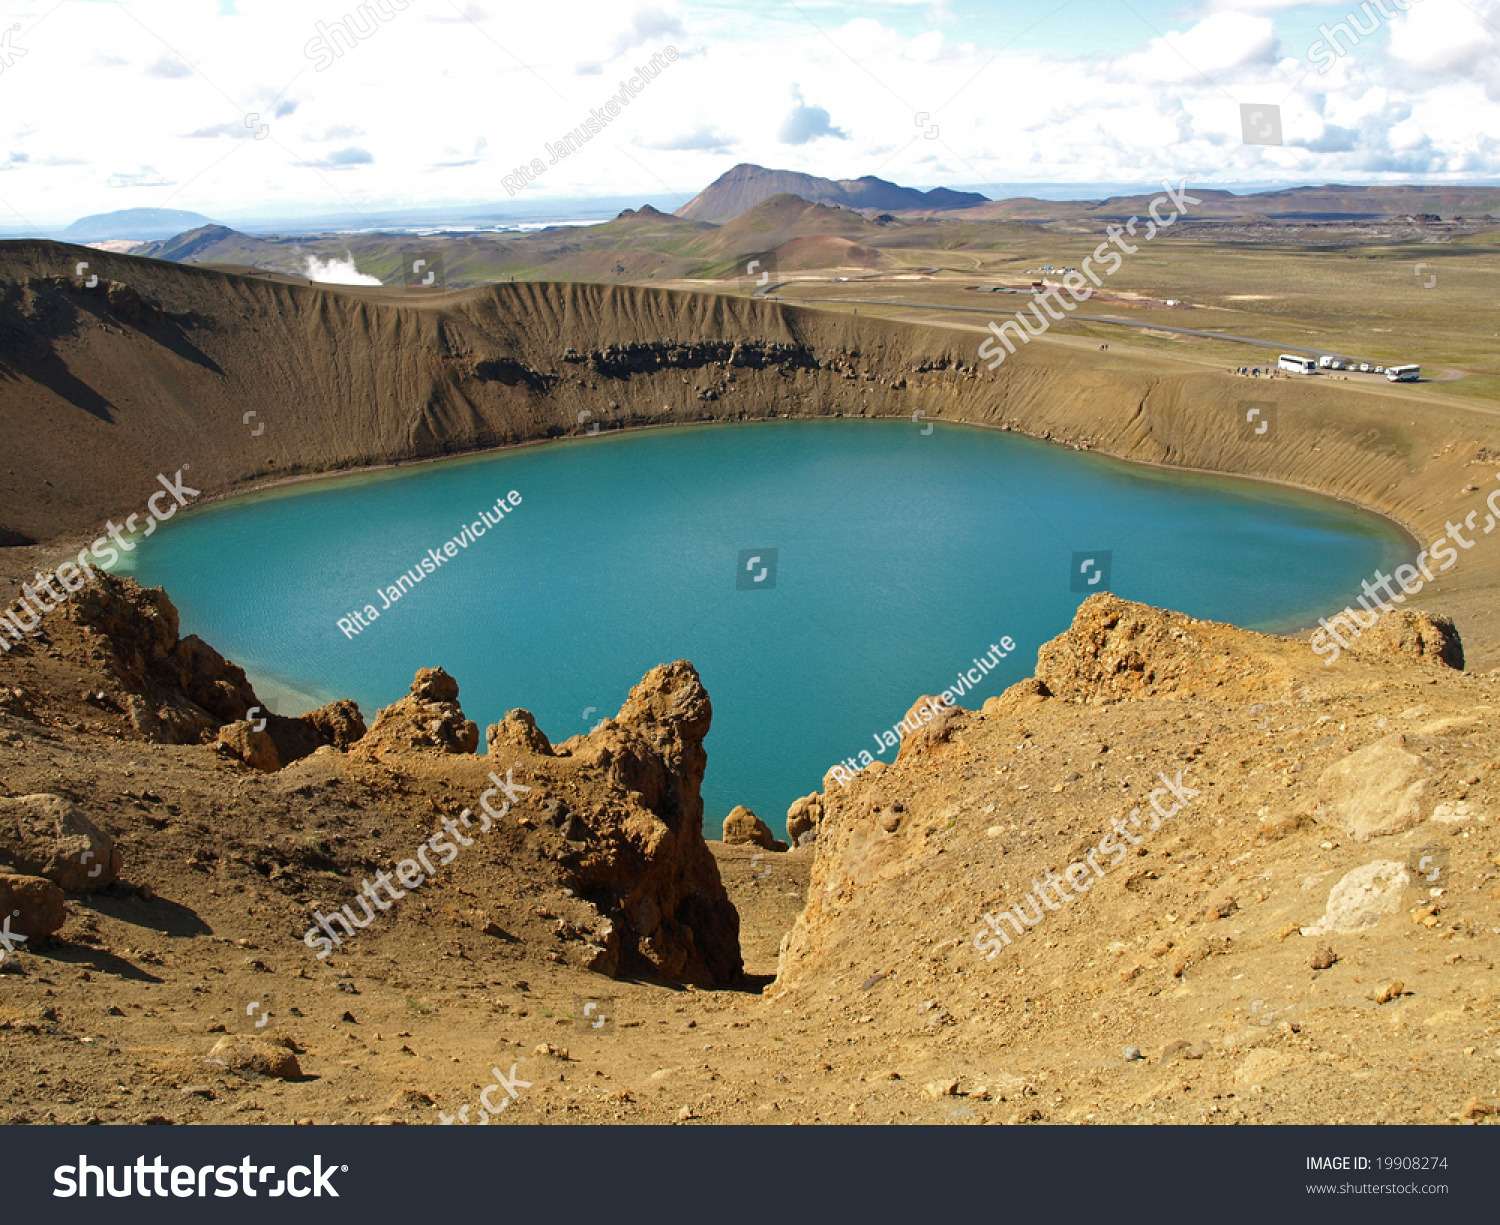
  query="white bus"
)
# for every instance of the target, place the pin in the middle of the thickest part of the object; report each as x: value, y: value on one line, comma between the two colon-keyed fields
x: 1403, y: 374
x: 1297, y: 365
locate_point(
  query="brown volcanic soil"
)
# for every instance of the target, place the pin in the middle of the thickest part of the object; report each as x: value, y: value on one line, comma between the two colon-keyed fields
x: 884, y: 1010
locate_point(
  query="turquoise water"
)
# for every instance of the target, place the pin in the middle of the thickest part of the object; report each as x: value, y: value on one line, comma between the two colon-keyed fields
x: 900, y: 557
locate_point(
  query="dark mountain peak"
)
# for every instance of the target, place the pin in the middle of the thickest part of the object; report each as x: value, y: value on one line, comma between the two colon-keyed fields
x: 744, y: 186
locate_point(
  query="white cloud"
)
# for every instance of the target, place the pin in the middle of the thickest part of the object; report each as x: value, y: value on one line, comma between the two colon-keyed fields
x: 1446, y: 39
x: 1218, y: 45
x: 804, y: 124
x: 418, y: 110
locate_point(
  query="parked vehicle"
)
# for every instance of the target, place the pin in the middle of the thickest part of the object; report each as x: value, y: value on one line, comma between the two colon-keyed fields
x: 1403, y: 374
x: 1296, y: 365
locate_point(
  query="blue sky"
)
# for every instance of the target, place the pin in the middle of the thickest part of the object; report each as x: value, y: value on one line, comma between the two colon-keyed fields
x: 232, y: 108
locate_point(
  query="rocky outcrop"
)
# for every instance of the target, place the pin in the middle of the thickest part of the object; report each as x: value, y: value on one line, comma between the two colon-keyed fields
x: 803, y: 817
x: 517, y: 731
x: 638, y: 854
x: 338, y: 724
x: 428, y: 719
x: 1430, y: 637
x: 34, y: 907
x: 646, y: 357
x: 743, y: 828
x: 177, y: 690
x: 1206, y: 744
x: 1116, y: 650
x: 49, y: 836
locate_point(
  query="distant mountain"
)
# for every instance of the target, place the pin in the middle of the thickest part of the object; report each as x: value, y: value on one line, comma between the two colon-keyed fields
x: 197, y: 246
x: 781, y: 218
x: 142, y: 224
x: 738, y: 190
x: 1329, y: 203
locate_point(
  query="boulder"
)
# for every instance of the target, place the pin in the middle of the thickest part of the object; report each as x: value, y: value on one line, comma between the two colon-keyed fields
x: 1377, y: 790
x: 339, y: 724
x: 49, y: 836
x: 31, y: 907
x: 428, y: 719
x: 518, y: 731
x: 743, y: 828
x: 803, y: 818
x: 1362, y: 898
x: 255, y: 748
x: 262, y: 1056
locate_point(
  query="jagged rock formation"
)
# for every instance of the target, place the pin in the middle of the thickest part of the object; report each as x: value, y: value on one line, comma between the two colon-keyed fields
x: 645, y: 862
x: 428, y: 718
x: 802, y: 818
x: 175, y: 690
